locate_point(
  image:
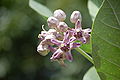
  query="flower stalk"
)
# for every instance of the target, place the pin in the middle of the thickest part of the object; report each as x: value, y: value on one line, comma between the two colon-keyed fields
x: 85, y: 54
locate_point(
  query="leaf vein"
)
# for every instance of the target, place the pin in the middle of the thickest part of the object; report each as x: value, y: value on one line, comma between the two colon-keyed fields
x: 109, y: 25
x: 110, y: 61
x: 107, y: 41
x: 114, y: 12
x: 110, y: 75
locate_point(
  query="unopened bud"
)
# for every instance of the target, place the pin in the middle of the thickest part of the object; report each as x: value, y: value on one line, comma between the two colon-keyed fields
x: 43, y: 49
x: 52, y: 31
x: 49, y: 37
x: 52, y: 22
x: 62, y: 27
x: 60, y: 15
x: 44, y: 33
x: 75, y: 16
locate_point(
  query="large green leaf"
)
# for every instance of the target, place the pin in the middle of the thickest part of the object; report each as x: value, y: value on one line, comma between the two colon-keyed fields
x: 97, y: 2
x: 93, y: 9
x: 41, y: 9
x: 91, y: 74
x: 106, y: 40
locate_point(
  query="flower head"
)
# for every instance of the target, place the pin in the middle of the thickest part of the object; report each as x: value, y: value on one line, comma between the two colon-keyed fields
x: 64, y: 49
x: 81, y: 34
x: 61, y: 39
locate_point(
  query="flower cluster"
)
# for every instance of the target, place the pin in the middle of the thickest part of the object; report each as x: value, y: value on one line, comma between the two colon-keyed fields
x: 61, y: 39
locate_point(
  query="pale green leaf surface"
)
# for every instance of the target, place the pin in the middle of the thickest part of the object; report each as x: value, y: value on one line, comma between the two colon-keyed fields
x: 91, y: 74
x: 41, y: 9
x: 97, y: 2
x: 93, y: 9
x: 106, y: 40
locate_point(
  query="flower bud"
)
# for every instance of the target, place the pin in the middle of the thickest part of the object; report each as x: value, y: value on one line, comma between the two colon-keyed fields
x: 75, y: 16
x: 49, y: 37
x: 52, y: 22
x: 62, y: 27
x: 60, y: 15
x: 44, y: 33
x: 43, y: 49
x: 52, y: 31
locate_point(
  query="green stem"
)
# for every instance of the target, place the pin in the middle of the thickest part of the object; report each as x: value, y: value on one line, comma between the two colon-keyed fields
x: 85, y: 54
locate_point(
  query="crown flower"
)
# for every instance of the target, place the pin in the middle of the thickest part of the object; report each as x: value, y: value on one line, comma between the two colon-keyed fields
x: 61, y: 39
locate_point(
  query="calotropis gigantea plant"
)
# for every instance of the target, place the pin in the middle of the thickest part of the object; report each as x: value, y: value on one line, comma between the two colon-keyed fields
x: 62, y: 37
x: 104, y: 37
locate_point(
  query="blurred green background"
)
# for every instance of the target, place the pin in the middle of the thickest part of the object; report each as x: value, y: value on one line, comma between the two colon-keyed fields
x: 19, y: 28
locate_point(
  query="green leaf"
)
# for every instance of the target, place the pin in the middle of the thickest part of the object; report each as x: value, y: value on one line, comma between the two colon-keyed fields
x: 97, y: 2
x: 106, y: 40
x: 41, y: 9
x: 91, y: 74
x: 87, y: 48
x: 93, y: 9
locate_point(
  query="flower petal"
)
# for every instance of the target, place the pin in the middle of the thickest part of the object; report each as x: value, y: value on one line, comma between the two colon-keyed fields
x: 82, y: 39
x: 69, y: 56
x: 78, y: 25
x: 51, y: 49
x: 87, y: 36
x: 66, y: 37
x: 56, y: 55
x: 87, y: 30
x: 74, y: 45
x: 71, y: 31
x: 72, y: 39
x: 56, y: 42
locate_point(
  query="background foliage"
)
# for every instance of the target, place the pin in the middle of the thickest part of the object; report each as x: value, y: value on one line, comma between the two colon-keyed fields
x: 19, y: 27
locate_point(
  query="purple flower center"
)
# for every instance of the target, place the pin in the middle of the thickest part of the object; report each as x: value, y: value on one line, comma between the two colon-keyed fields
x: 65, y: 47
x: 78, y: 34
